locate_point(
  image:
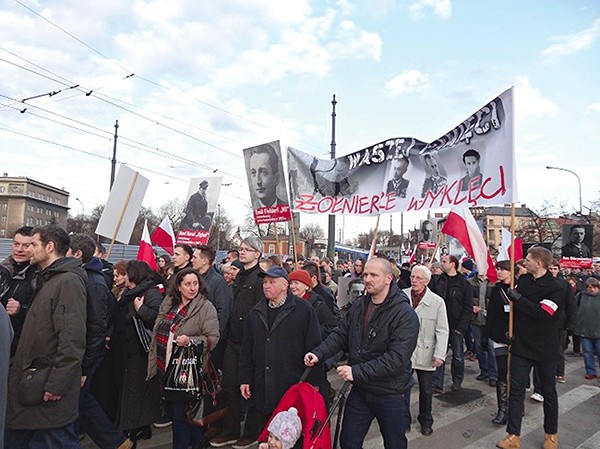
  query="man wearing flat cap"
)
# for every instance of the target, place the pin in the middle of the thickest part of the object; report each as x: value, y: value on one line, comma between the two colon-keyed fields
x: 196, y: 211
x: 279, y: 331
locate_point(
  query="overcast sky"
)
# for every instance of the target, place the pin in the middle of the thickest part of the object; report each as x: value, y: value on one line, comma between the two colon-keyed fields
x: 194, y: 83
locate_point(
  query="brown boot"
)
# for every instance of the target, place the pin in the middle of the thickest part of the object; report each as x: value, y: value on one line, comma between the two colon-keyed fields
x: 127, y: 444
x: 510, y: 441
x: 550, y: 441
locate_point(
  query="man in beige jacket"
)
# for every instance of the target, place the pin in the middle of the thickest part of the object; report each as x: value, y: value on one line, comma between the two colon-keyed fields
x: 432, y: 342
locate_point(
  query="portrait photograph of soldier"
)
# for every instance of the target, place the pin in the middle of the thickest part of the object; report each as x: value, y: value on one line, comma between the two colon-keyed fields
x: 577, y: 241
x: 398, y: 183
x: 265, y: 175
x: 436, y: 178
x: 201, y: 204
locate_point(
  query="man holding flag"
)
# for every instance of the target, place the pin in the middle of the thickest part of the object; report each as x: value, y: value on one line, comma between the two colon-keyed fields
x: 537, y: 299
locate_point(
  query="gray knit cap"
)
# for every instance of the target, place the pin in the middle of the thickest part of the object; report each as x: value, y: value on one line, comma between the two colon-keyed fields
x: 287, y: 427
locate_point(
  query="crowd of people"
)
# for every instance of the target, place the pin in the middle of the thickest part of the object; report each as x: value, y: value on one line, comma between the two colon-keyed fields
x: 73, y: 363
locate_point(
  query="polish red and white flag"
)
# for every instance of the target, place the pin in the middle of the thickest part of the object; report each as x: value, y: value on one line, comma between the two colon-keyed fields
x: 145, y: 251
x: 164, y: 236
x: 505, y: 249
x: 413, y: 255
x: 461, y: 225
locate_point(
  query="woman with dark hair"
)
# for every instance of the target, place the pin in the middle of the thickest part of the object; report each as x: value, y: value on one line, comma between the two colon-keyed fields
x: 164, y: 260
x: 496, y: 329
x: 105, y: 385
x: 186, y: 316
x: 139, y: 400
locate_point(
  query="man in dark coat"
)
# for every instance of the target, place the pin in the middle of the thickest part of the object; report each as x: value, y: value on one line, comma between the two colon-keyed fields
x: 247, y: 292
x: 52, y: 342
x: 458, y: 296
x: 537, y: 300
x: 219, y: 294
x: 279, y: 331
x: 379, y: 334
x: 195, y: 213
x: 16, y: 282
x: 92, y: 419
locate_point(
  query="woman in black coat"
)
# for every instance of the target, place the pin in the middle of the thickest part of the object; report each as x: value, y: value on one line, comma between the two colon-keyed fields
x: 496, y: 329
x: 139, y: 400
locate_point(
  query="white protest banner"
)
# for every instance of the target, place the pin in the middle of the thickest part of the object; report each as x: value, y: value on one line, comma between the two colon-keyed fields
x: 471, y: 165
x: 267, y: 183
x: 123, y: 205
x: 199, y: 213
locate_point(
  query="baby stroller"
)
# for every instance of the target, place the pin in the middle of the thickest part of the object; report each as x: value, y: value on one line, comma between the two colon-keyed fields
x: 316, y: 431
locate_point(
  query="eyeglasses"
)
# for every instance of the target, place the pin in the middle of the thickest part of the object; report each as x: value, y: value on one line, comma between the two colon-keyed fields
x: 247, y: 250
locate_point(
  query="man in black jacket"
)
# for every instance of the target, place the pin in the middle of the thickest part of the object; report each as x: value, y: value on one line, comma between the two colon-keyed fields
x: 247, y: 292
x: 219, y: 294
x: 16, y: 282
x: 537, y: 301
x: 279, y: 331
x: 379, y: 334
x: 92, y: 418
x: 458, y: 296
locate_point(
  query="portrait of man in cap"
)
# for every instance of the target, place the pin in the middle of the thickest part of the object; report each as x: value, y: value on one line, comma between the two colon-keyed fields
x: 196, y: 215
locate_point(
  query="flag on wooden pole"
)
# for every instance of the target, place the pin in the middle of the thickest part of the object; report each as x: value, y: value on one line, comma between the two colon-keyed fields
x: 461, y: 225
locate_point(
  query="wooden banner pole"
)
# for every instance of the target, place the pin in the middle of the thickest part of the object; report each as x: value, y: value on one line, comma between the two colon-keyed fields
x: 120, y: 220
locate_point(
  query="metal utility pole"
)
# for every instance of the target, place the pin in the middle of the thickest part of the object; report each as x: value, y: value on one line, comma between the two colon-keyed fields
x: 331, y: 228
x: 114, y: 158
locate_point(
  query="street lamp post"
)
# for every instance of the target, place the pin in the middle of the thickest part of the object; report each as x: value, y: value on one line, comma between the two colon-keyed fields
x: 578, y: 182
x: 82, y: 215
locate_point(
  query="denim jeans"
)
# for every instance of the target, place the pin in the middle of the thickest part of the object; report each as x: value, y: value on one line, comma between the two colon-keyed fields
x: 485, y: 354
x: 589, y: 346
x: 93, y: 420
x: 520, y: 369
x: 61, y: 438
x: 184, y: 434
x: 458, y: 363
x: 362, y: 407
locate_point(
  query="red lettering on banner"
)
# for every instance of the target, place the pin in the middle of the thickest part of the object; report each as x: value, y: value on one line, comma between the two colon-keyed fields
x: 357, y: 205
x: 305, y: 203
x: 452, y: 196
x: 322, y: 209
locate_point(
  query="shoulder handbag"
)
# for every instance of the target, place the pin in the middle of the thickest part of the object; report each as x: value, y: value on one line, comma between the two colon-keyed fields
x: 144, y: 334
x: 211, y: 406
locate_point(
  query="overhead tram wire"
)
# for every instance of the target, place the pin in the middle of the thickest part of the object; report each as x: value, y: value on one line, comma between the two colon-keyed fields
x: 89, y: 153
x: 146, y: 79
x: 189, y: 136
x: 108, y: 136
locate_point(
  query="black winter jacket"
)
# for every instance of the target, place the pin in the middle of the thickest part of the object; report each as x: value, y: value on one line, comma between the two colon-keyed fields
x: 496, y: 325
x: 100, y: 302
x: 327, y: 321
x: 17, y: 281
x: 271, y: 360
x: 380, y: 360
x: 536, y: 318
x: 247, y: 292
x: 459, y: 300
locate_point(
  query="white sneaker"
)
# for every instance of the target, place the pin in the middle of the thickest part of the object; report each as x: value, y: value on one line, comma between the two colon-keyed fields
x: 537, y: 397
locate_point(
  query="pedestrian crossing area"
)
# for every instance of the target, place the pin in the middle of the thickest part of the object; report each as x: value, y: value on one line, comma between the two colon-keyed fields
x: 463, y: 420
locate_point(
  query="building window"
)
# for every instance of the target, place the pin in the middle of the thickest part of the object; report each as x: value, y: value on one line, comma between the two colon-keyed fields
x: 271, y: 248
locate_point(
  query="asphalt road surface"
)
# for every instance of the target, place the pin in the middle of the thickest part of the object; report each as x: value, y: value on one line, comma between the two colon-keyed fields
x: 463, y: 420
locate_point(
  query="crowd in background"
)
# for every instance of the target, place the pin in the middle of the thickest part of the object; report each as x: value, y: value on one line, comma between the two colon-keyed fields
x: 71, y: 321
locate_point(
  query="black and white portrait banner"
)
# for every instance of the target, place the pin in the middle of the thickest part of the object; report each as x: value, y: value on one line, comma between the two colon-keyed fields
x: 471, y: 165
